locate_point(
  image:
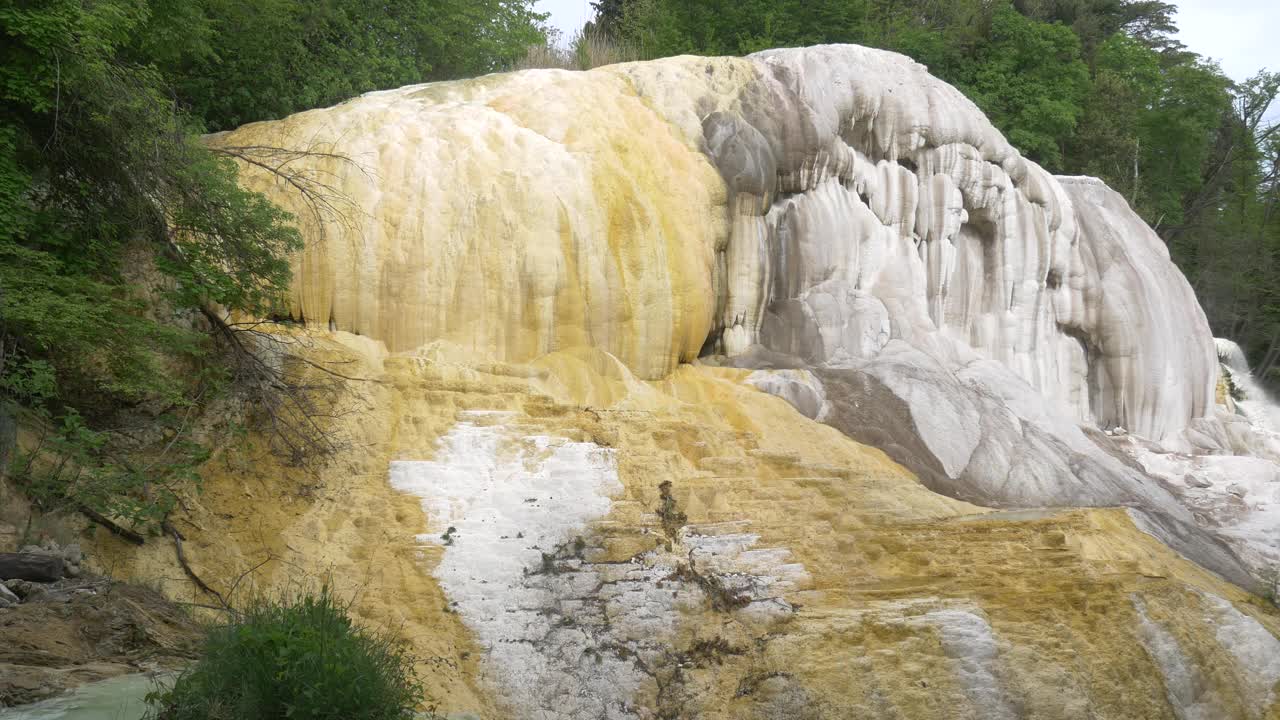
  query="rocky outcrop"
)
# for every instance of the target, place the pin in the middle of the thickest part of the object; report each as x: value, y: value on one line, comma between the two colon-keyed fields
x: 577, y: 293
x: 30, y: 566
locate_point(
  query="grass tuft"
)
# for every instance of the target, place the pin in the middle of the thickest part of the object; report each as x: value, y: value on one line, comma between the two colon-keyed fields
x: 589, y: 48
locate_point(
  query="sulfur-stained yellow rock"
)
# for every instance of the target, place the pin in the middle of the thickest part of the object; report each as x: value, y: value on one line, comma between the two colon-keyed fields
x: 900, y: 603
x: 463, y: 212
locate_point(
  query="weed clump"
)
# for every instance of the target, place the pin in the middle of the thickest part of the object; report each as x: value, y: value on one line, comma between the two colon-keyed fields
x: 303, y: 659
x: 1232, y: 389
x: 669, y: 513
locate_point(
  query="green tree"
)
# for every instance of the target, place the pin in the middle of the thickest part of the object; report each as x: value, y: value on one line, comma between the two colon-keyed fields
x: 1108, y: 142
x: 1180, y: 128
x: 238, y: 61
x: 126, y: 242
x: 723, y: 27
x: 117, y: 225
x: 1151, y: 22
x: 1029, y: 79
x: 1229, y: 240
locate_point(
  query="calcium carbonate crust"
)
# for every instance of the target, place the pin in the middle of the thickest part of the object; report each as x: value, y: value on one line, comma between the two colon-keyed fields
x: 834, y: 208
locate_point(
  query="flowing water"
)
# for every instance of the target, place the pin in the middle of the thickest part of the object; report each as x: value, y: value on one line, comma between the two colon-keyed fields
x: 1257, y: 404
x: 121, y: 698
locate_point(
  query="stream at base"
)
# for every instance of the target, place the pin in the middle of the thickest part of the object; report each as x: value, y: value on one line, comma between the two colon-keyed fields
x: 121, y: 698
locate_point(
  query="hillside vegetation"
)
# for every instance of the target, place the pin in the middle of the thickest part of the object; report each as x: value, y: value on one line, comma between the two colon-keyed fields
x: 127, y: 246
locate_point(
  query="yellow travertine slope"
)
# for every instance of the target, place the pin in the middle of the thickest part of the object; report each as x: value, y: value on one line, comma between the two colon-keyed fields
x: 609, y: 337
x: 867, y: 595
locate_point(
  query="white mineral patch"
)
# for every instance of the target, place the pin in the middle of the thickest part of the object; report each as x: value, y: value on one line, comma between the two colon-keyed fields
x: 565, y: 637
x: 509, y: 499
x: 1257, y: 652
x: 1238, y: 494
x: 971, y: 646
x: 1183, y: 683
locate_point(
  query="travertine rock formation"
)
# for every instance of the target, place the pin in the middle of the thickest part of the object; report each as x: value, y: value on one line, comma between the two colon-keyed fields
x: 819, y: 202
x: 577, y: 294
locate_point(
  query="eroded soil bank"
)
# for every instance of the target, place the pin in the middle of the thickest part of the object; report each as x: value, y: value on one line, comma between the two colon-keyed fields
x: 88, y: 629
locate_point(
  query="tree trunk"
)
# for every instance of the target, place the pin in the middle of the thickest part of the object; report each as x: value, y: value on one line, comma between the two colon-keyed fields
x: 29, y: 566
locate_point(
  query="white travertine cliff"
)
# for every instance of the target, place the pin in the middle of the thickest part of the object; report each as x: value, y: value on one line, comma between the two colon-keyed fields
x: 574, y: 285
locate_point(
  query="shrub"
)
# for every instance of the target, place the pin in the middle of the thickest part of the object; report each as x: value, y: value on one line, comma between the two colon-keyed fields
x: 589, y: 48
x: 301, y: 660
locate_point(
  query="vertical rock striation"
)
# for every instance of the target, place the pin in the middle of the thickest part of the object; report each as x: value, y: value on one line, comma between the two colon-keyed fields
x: 819, y: 202
x: 899, y: 213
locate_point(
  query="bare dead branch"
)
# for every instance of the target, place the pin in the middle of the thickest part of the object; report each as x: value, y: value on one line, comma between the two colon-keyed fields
x: 289, y: 405
x: 186, y: 567
x: 240, y: 578
x: 314, y: 185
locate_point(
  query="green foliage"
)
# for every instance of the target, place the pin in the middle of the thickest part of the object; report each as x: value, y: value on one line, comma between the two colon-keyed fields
x: 75, y: 468
x: 1126, y: 84
x: 123, y: 237
x: 103, y: 179
x: 90, y: 336
x: 1229, y: 239
x: 1095, y: 21
x: 303, y: 659
x: 590, y: 48
x: 118, y: 225
x: 239, y: 61
x: 723, y: 27
x: 1178, y: 129
x: 1029, y: 79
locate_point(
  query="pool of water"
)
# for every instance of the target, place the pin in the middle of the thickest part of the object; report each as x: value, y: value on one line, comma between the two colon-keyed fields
x: 115, y: 699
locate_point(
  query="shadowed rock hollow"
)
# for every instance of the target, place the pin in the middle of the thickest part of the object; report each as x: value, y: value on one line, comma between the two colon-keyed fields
x: 574, y: 287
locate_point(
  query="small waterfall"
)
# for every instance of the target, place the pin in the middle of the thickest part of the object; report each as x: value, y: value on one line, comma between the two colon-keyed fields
x: 1256, y: 403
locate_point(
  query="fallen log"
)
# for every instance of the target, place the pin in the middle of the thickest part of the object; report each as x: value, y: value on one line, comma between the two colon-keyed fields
x: 30, y: 566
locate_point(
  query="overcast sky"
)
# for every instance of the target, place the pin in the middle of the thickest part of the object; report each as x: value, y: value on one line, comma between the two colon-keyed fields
x: 568, y: 15
x: 1243, y: 35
